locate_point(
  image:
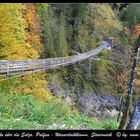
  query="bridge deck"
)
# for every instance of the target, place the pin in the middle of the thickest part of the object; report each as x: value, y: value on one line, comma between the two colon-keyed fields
x: 14, y: 66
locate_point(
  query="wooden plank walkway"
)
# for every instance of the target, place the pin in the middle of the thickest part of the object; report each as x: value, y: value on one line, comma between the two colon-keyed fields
x: 16, y: 66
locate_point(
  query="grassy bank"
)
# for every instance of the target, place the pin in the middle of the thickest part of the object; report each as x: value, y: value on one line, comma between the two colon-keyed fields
x: 24, y: 112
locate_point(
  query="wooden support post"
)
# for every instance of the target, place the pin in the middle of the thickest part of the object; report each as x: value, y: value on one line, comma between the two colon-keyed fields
x: 33, y: 66
x: 22, y: 67
x: 43, y: 66
x: 50, y: 63
x: 63, y: 62
x: 79, y: 59
x: 8, y: 68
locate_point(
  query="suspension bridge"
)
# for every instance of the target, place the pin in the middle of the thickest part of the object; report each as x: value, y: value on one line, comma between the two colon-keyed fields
x: 9, y: 67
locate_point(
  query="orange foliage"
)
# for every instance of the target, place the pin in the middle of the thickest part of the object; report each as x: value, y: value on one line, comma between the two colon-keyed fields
x: 122, y: 81
x: 27, y: 91
x: 133, y: 35
x: 34, y: 31
x: 136, y: 32
x: 137, y: 29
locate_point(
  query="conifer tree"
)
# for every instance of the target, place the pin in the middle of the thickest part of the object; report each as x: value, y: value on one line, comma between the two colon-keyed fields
x: 61, y: 37
x: 46, y: 22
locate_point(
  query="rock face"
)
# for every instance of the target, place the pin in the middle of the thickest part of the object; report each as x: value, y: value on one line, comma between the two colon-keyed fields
x: 95, y: 104
x: 54, y: 87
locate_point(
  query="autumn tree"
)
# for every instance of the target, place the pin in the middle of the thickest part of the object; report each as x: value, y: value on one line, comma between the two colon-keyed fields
x: 20, y: 39
x: 13, y: 33
x: 38, y: 86
x: 34, y: 31
x: 122, y: 79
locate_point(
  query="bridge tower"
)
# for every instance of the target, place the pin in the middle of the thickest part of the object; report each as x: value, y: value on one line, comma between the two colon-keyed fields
x: 111, y: 41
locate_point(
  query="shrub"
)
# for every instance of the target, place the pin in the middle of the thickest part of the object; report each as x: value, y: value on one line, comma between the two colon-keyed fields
x: 26, y: 107
x: 110, y: 123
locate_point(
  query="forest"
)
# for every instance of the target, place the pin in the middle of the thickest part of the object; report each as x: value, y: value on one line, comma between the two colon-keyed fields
x: 99, y: 92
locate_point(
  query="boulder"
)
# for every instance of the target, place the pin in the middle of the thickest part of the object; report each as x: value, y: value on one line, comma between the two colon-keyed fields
x: 94, y: 104
x: 54, y: 87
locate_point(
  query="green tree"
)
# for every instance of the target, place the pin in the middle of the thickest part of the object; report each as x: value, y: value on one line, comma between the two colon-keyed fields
x: 62, y: 44
x: 131, y: 15
x: 46, y: 21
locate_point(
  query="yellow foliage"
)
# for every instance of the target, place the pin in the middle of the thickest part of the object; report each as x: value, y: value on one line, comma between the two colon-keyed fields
x: 38, y: 86
x: 27, y: 91
x: 137, y: 81
x: 13, y: 33
x: 41, y: 95
x: 137, y: 85
x: 57, y: 100
x: 17, y: 43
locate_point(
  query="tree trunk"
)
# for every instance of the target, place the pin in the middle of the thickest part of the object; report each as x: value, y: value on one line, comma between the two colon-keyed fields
x: 125, y: 116
x: 135, y: 119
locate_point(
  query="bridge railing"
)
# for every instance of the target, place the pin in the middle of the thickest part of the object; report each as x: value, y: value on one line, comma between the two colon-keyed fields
x: 14, y: 66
